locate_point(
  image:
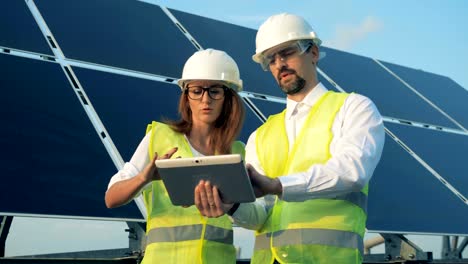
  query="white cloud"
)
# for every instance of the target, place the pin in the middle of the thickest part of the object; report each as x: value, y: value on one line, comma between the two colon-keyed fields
x: 348, y: 35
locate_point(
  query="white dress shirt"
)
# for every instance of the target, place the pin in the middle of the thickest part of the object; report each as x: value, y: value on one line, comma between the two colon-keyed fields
x: 139, y: 160
x: 356, y: 148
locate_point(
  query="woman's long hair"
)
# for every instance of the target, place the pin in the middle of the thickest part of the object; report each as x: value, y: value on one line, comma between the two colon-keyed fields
x: 226, y: 128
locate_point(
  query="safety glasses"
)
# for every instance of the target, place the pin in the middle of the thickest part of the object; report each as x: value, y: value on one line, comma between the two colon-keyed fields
x: 284, y: 54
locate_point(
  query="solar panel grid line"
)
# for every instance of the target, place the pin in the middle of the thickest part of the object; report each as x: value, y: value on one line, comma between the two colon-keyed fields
x: 424, y: 125
x: 396, y: 231
x: 182, y: 29
x: 427, y: 167
x: 26, y: 54
x: 329, y: 79
x: 121, y: 71
x: 421, y: 95
x: 264, y: 97
x: 77, y: 217
x: 44, y: 28
x: 255, y: 109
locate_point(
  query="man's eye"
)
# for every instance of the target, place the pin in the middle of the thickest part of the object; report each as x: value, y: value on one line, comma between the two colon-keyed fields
x: 270, y: 59
x: 288, y: 52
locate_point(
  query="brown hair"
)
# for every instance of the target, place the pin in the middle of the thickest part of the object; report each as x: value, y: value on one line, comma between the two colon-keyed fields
x: 226, y: 128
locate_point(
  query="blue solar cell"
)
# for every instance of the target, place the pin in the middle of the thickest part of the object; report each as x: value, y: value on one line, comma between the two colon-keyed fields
x: 405, y: 198
x: 238, y: 42
x: 19, y: 30
x: 54, y: 162
x: 446, y: 153
x: 442, y: 91
x: 125, y: 34
x: 363, y: 75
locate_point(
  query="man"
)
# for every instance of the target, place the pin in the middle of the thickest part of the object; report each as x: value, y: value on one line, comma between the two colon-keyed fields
x: 311, y: 164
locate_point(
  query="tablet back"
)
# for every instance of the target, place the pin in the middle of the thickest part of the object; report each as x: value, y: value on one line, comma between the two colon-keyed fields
x: 227, y: 172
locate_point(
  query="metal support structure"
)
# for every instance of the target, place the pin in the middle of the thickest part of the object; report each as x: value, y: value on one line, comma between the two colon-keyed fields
x: 5, y: 223
x: 398, y: 249
x: 136, y: 238
x: 451, y: 250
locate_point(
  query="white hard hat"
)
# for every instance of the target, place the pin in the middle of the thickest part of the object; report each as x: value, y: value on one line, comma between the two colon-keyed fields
x: 211, y: 64
x: 282, y: 28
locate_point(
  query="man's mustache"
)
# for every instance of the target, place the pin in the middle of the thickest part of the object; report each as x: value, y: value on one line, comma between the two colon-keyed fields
x: 285, y: 70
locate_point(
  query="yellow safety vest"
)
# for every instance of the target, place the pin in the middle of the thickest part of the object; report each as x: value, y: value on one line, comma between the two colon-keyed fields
x: 176, y: 234
x: 317, y: 230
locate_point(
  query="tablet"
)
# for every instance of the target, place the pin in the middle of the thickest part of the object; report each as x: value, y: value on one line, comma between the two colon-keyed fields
x: 227, y: 172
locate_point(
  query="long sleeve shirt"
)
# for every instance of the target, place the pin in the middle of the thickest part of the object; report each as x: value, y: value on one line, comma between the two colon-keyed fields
x: 139, y: 161
x: 356, y: 148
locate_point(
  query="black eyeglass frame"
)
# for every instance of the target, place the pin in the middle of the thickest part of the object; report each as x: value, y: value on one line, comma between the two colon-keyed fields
x: 206, y: 89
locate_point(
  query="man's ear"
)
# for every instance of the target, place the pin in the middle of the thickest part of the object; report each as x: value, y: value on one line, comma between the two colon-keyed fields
x: 315, y: 54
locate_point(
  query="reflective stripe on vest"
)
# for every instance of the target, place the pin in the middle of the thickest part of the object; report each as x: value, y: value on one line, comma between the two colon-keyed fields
x: 326, y: 237
x: 189, y: 232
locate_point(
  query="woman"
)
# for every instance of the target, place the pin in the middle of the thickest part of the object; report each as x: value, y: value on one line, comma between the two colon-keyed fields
x: 212, y: 115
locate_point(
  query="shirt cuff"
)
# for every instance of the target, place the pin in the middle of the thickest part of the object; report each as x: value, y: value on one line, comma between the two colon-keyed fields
x: 293, y: 185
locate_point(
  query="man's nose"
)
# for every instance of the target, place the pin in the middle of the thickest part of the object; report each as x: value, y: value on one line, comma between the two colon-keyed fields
x: 279, y: 62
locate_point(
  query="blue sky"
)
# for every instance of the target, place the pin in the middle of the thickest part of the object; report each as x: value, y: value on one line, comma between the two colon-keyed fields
x: 426, y: 35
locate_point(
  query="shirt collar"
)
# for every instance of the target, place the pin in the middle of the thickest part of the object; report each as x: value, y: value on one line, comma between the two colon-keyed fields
x: 310, y: 99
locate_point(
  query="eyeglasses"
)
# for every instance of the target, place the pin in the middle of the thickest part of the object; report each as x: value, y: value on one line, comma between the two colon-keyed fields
x: 285, y: 54
x: 215, y: 92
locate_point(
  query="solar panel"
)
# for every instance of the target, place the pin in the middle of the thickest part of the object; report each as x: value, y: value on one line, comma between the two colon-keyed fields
x: 125, y: 34
x: 440, y: 90
x: 363, y: 75
x: 404, y: 197
x: 54, y: 162
x: 19, y: 30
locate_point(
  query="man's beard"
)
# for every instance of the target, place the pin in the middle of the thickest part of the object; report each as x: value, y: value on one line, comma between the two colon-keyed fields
x: 293, y: 88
